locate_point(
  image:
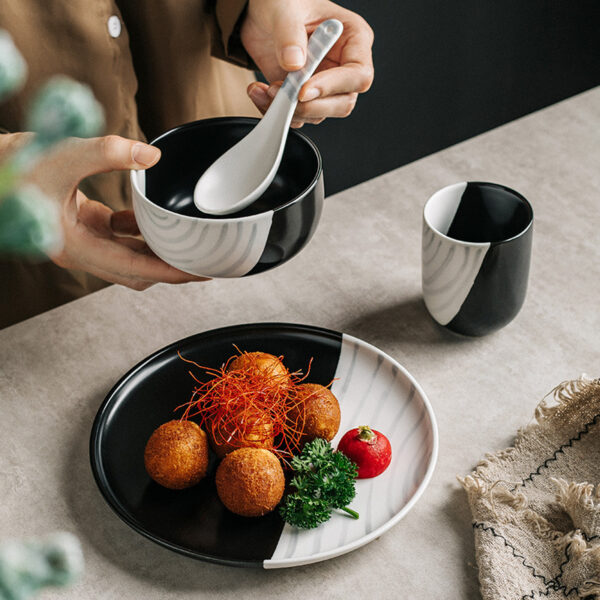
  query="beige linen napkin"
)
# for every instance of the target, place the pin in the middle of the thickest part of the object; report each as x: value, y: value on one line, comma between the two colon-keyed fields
x: 536, y: 506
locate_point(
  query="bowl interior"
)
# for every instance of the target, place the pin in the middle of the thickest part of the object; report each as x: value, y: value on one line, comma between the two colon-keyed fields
x: 188, y: 150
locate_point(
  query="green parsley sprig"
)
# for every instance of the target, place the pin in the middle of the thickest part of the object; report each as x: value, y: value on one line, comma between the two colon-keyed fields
x: 323, y: 480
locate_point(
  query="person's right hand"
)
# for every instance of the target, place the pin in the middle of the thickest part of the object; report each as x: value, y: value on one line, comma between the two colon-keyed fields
x: 97, y: 239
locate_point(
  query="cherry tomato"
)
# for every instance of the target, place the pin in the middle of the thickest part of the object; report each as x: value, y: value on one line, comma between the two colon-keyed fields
x: 368, y: 448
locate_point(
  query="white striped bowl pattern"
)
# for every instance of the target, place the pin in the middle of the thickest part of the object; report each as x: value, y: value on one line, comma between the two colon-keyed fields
x: 206, y: 247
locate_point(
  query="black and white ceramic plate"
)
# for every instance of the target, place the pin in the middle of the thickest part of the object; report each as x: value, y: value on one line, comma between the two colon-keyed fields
x: 372, y: 389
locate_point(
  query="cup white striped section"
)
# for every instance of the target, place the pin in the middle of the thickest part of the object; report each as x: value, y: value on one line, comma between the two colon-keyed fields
x: 374, y: 390
x: 208, y: 247
x: 449, y: 268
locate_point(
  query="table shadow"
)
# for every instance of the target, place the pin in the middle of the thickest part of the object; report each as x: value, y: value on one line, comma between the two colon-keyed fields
x: 405, y: 321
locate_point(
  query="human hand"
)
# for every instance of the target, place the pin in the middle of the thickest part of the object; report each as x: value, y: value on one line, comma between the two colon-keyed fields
x: 275, y: 34
x: 97, y: 239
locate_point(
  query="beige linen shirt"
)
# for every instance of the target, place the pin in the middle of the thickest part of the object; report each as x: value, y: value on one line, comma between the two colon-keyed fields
x: 152, y: 65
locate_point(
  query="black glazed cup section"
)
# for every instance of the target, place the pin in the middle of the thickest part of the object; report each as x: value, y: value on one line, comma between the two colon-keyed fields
x: 499, y: 290
x: 188, y: 150
x: 491, y: 213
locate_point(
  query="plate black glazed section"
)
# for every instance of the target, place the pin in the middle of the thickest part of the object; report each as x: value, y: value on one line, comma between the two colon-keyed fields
x: 192, y: 522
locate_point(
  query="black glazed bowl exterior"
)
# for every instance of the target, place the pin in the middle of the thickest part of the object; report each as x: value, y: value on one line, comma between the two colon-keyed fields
x: 262, y: 236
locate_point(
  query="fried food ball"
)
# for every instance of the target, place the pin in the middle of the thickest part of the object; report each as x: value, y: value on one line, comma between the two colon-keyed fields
x: 262, y: 363
x: 250, y: 482
x: 176, y: 455
x: 249, y: 430
x: 317, y: 411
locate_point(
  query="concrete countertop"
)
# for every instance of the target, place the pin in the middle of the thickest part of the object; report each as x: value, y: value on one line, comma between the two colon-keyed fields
x: 361, y: 275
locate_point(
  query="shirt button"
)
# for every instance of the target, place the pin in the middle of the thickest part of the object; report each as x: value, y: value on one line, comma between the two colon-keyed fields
x: 114, y: 26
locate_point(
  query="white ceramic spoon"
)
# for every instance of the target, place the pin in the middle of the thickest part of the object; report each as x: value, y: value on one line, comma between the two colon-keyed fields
x: 245, y: 171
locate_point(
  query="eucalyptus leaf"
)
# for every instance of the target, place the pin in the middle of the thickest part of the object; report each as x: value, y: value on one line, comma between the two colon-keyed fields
x: 29, y: 223
x: 64, y: 108
x: 13, y: 68
x: 26, y: 567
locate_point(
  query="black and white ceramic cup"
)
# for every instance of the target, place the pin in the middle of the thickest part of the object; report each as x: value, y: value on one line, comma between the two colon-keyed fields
x: 476, y: 250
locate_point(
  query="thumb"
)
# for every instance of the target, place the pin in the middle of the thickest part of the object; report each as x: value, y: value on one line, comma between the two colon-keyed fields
x: 108, y: 153
x: 289, y: 36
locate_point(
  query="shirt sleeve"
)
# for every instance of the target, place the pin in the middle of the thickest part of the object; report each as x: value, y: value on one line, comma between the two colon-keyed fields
x: 226, y: 41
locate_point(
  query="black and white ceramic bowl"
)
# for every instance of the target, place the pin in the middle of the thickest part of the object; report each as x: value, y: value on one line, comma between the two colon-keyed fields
x: 264, y: 235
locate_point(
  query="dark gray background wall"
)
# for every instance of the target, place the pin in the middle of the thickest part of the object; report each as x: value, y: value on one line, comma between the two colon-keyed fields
x: 448, y: 70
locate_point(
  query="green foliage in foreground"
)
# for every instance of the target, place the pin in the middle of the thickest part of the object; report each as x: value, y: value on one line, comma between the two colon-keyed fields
x: 29, y: 222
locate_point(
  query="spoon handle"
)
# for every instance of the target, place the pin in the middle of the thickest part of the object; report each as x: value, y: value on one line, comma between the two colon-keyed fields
x: 319, y: 44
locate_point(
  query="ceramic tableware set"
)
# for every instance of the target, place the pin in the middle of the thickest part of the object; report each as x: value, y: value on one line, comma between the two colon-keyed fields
x: 476, y: 247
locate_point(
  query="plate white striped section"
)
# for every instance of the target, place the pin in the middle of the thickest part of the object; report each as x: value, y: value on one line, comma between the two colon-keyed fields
x: 209, y: 247
x: 449, y: 269
x: 374, y: 390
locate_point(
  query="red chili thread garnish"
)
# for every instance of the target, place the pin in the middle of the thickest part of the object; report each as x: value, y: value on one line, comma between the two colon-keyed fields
x: 249, y: 405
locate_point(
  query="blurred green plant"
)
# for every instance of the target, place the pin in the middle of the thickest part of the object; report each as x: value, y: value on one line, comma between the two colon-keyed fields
x: 13, y: 69
x: 30, y: 225
x: 29, y: 220
x: 26, y: 567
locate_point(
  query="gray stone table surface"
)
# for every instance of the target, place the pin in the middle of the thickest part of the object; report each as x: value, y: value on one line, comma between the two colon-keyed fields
x: 360, y: 274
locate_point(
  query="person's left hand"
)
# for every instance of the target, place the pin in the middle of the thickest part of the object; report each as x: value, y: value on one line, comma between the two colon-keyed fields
x: 275, y: 33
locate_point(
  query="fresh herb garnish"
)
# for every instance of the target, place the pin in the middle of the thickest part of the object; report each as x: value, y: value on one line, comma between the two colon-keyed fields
x: 323, y: 480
